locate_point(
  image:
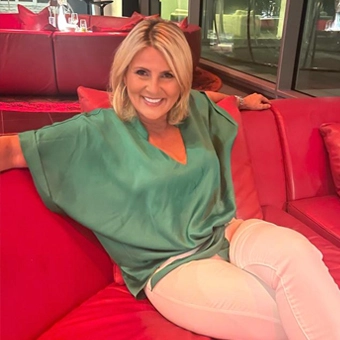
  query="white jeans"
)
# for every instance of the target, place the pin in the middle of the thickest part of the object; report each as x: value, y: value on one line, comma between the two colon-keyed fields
x: 276, y: 287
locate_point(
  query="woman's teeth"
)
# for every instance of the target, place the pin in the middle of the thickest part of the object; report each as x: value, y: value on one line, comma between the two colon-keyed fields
x: 153, y: 101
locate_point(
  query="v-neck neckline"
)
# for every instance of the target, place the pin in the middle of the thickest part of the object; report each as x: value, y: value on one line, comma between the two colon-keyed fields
x: 142, y: 131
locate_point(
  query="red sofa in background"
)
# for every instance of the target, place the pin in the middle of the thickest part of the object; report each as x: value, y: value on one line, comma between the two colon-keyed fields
x: 57, y: 282
x: 43, y: 62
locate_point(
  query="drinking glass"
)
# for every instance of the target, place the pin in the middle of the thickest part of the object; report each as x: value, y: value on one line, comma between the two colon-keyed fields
x: 83, y: 25
x: 74, y: 18
x: 51, y: 21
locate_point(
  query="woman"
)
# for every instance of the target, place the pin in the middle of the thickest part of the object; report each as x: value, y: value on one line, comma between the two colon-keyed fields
x: 158, y: 166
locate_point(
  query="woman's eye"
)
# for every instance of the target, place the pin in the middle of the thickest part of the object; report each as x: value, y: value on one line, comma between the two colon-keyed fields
x: 168, y: 75
x: 141, y: 72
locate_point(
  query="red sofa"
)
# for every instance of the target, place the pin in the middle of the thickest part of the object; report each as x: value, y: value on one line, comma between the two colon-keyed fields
x: 57, y: 282
x: 43, y: 62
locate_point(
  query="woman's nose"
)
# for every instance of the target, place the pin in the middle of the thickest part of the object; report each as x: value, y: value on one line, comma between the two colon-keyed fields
x: 153, y: 85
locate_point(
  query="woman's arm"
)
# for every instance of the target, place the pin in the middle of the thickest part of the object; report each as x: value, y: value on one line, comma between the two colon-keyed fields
x: 11, y: 155
x: 254, y: 101
x: 215, y: 96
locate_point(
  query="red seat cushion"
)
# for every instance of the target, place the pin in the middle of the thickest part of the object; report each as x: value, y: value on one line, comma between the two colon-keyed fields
x: 320, y: 214
x: 113, y: 313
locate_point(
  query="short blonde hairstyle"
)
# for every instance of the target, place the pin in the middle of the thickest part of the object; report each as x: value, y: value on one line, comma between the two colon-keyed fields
x: 169, y: 40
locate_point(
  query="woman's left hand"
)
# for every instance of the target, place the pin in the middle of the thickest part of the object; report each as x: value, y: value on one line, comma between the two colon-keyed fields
x: 255, y: 101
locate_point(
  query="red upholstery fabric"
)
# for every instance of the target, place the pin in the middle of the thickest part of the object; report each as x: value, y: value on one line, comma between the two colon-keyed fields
x: 321, y: 214
x: 306, y: 158
x: 108, y: 21
x: 244, y: 185
x: 10, y: 21
x: 311, y: 192
x: 114, y: 313
x: 126, y: 27
x: 266, y: 157
x: 183, y: 23
x: 33, y: 21
x: 26, y: 69
x: 49, y: 264
x: 331, y: 137
x: 90, y: 64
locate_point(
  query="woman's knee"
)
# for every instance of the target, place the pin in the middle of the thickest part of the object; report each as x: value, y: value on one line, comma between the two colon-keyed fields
x: 257, y: 238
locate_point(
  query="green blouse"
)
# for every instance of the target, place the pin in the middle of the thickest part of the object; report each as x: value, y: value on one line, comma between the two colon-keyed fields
x: 143, y: 206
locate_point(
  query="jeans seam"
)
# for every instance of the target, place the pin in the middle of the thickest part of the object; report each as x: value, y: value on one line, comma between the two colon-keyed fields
x: 210, y: 309
x: 284, y: 289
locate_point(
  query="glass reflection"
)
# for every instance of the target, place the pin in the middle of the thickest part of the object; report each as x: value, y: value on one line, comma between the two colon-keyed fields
x: 244, y: 34
x: 174, y: 10
x: 319, y: 62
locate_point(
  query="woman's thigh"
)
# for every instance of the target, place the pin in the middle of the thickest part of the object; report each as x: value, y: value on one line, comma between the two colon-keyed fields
x: 215, y: 298
x: 307, y: 297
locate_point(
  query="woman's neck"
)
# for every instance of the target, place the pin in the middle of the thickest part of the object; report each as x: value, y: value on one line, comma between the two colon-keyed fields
x: 156, y: 127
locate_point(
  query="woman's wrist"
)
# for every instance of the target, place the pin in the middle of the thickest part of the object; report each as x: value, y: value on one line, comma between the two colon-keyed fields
x: 240, y: 102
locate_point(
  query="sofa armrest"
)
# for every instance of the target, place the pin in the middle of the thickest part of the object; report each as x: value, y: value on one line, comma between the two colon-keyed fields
x: 49, y: 263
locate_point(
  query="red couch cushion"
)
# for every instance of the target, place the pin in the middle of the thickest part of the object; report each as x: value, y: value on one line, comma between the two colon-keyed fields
x: 331, y: 137
x: 49, y: 263
x: 10, y: 21
x: 91, y: 63
x: 114, y: 313
x: 321, y: 214
x: 33, y: 21
x: 306, y: 159
x: 247, y: 201
x: 26, y: 63
x: 266, y: 158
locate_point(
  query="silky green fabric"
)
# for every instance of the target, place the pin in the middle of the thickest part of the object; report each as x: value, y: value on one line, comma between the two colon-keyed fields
x: 143, y: 206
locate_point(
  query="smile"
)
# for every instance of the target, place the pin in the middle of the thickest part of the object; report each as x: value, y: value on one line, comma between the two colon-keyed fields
x: 152, y: 101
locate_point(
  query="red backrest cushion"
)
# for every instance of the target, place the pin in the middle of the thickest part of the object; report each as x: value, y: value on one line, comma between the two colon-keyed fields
x: 90, y: 65
x: 247, y: 200
x: 306, y: 159
x: 331, y: 136
x: 266, y: 157
x: 10, y: 21
x: 33, y: 21
x: 28, y: 54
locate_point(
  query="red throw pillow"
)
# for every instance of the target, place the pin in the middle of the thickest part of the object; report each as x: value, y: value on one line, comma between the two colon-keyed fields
x: 331, y: 136
x: 183, y: 23
x: 91, y: 99
x: 139, y: 15
x: 126, y: 26
x: 33, y: 21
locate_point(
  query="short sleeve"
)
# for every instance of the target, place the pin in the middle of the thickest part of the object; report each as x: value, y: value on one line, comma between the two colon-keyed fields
x: 56, y: 152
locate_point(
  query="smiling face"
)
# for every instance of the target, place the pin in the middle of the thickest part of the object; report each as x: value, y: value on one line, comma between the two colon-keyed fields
x: 151, y: 86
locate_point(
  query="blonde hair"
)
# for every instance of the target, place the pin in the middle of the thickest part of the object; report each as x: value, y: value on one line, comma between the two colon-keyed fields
x: 168, y: 39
